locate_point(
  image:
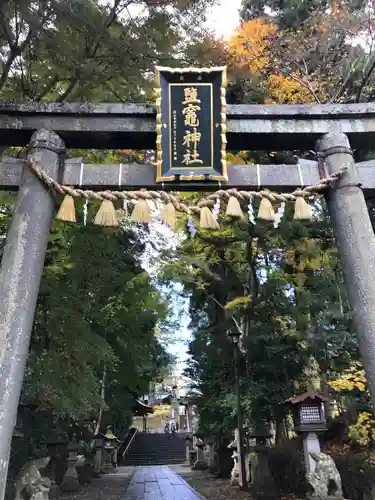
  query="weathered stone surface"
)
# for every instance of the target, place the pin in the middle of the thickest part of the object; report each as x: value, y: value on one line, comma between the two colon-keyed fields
x: 20, y: 272
x: 325, y: 478
x: 250, y: 127
x: 159, y: 483
x: 356, y: 244
x: 134, y: 176
x: 31, y: 480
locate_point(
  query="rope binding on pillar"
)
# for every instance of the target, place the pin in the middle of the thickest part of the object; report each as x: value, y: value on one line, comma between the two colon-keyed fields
x: 206, y: 209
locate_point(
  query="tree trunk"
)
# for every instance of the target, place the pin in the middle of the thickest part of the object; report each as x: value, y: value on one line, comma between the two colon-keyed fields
x: 280, y: 432
x: 326, y: 393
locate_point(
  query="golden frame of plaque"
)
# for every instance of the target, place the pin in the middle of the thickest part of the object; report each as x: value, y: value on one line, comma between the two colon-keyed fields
x: 191, y: 124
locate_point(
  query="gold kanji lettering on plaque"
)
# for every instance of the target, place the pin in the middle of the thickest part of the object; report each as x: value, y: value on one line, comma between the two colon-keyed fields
x: 191, y: 137
x: 191, y: 96
x: 190, y: 114
x: 191, y: 157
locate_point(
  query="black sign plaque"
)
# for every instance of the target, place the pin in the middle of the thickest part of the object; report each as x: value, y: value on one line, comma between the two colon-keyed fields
x: 191, y: 124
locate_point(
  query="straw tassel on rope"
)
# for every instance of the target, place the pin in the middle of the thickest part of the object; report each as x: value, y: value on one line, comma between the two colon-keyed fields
x: 207, y: 219
x: 67, y: 210
x: 141, y: 211
x: 266, y: 210
x: 168, y: 215
x: 302, y: 210
x: 234, y: 208
x: 106, y: 215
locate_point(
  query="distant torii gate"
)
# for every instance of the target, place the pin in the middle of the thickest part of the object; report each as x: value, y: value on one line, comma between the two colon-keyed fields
x: 48, y: 129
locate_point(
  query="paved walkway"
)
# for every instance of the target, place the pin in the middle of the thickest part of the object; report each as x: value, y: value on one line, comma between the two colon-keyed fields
x: 158, y: 483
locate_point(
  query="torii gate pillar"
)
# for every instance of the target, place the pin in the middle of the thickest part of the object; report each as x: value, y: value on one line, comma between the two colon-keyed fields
x: 356, y: 243
x: 20, y: 273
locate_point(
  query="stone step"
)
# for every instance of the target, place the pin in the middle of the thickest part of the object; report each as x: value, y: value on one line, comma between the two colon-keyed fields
x: 156, y: 449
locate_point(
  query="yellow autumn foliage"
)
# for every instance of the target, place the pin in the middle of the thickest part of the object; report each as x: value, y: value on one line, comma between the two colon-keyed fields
x: 352, y: 378
x: 249, y: 46
x: 363, y: 431
x: 249, y: 52
x: 286, y: 90
x: 236, y: 159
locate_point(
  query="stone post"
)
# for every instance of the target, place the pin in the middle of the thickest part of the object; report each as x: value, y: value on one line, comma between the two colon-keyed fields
x: 20, y: 273
x: 356, y: 243
x: 211, y: 461
x: 311, y: 443
x: 98, y: 461
x: 188, y: 443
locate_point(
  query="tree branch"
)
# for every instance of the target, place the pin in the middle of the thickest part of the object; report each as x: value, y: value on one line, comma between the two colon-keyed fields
x: 365, y: 79
x: 69, y: 90
x: 47, y: 88
x: 301, y: 81
x: 7, y: 31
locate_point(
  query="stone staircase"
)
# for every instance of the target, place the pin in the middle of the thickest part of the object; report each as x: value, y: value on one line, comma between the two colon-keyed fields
x: 156, y: 449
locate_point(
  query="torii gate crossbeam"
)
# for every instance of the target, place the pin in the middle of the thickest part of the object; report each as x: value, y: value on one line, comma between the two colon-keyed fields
x: 325, y: 128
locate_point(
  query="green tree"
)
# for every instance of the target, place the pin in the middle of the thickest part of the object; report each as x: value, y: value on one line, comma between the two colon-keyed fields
x: 89, y: 51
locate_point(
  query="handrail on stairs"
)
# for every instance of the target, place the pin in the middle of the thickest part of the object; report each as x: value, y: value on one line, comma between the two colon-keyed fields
x: 130, y: 442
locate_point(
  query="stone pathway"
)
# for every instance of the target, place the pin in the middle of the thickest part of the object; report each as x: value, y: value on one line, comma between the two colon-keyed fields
x: 159, y: 483
x: 105, y: 487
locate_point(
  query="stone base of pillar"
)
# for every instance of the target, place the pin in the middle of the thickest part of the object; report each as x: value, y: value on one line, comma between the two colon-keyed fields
x: 70, y: 483
x: 310, y: 444
x: 98, y: 462
x: 200, y: 463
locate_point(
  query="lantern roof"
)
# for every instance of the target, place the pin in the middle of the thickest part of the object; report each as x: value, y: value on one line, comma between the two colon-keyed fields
x: 306, y: 397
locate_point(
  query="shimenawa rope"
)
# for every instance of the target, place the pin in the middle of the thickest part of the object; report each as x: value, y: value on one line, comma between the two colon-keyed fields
x: 141, y: 212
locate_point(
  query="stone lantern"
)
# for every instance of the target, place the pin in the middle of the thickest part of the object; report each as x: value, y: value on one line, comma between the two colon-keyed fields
x: 70, y: 482
x: 55, y: 443
x: 200, y: 463
x: 309, y: 419
x: 210, y: 454
x: 259, y: 471
x: 110, y: 451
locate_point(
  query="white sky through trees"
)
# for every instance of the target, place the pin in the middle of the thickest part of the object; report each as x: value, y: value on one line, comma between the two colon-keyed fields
x: 223, y: 18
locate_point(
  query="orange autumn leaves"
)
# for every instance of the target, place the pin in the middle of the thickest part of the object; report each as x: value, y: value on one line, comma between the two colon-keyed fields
x: 250, y: 55
x: 249, y: 47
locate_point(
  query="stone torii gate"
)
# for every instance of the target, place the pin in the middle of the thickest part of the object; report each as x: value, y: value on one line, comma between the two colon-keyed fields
x: 47, y: 129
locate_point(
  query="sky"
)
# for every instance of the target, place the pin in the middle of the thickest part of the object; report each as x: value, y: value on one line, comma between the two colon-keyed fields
x: 223, y: 17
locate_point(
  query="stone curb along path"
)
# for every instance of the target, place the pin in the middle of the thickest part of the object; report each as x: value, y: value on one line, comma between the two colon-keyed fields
x: 159, y: 483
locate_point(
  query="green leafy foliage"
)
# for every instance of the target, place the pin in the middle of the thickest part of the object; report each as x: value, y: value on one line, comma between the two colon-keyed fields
x: 96, y: 307
x: 90, y: 50
x: 282, y: 290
